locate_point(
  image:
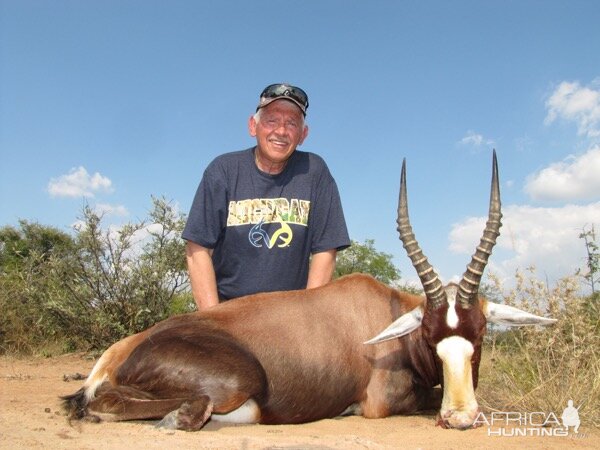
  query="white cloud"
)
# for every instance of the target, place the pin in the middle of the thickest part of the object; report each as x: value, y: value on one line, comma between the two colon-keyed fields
x: 575, y: 178
x: 140, y: 237
x: 580, y: 104
x: 79, y: 183
x: 474, y: 139
x: 104, y: 209
x: 545, y: 238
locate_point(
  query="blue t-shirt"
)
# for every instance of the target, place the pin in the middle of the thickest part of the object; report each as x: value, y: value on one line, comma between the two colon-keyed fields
x: 263, y: 228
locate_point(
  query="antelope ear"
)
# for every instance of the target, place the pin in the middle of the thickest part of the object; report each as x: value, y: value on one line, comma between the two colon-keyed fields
x: 510, y: 316
x: 402, y: 325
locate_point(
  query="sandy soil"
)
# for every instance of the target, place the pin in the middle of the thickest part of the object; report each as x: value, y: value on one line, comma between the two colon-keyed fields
x: 30, y: 417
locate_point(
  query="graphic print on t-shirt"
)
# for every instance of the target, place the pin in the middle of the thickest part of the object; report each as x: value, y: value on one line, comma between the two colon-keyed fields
x: 260, y: 211
x: 282, y: 237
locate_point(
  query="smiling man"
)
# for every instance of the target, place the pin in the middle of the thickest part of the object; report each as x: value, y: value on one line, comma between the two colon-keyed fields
x: 268, y: 218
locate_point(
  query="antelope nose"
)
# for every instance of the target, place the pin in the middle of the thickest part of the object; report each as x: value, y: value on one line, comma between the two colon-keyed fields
x: 460, y: 420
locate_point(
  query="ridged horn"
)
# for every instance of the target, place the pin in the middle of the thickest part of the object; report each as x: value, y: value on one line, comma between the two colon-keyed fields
x: 469, y: 285
x: 432, y: 285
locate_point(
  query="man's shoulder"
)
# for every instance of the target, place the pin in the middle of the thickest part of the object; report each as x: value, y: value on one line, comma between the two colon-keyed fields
x: 313, y: 165
x: 315, y: 161
x: 235, y: 156
x: 229, y: 161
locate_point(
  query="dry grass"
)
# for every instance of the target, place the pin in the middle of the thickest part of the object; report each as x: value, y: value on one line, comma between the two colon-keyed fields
x: 540, y: 369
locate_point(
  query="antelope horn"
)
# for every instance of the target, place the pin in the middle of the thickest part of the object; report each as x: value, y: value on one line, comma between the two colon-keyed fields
x: 432, y: 285
x: 469, y: 285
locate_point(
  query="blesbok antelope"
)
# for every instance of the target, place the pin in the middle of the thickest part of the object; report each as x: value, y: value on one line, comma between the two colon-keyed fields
x: 299, y: 356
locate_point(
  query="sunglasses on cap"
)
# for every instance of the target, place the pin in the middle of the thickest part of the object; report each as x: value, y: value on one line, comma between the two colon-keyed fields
x: 286, y: 91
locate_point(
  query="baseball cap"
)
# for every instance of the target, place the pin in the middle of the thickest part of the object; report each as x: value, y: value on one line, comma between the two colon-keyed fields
x: 283, y: 91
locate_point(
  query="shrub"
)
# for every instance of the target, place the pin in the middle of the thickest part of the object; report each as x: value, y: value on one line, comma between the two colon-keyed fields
x: 366, y: 259
x: 27, y: 255
x: 540, y: 369
x: 104, y: 284
x: 121, y: 281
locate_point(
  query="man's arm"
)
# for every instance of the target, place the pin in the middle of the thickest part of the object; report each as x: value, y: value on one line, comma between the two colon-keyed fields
x: 321, y: 268
x: 202, y: 275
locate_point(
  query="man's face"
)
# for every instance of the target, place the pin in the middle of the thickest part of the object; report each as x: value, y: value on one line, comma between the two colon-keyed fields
x: 279, y: 130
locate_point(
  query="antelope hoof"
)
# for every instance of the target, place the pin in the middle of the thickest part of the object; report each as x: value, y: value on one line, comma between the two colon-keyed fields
x: 191, y: 416
x: 169, y: 421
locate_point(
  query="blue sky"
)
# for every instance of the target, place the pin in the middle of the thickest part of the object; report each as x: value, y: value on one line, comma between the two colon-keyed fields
x: 111, y: 102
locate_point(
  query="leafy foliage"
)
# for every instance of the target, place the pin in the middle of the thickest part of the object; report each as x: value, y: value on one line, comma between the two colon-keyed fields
x: 27, y: 256
x: 593, y: 257
x: 94, y: 288
x: 20, y: 246
x: 121, y: 280
x: 366, y: 259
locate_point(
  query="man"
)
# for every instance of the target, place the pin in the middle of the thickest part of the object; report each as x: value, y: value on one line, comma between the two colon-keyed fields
x: 268, y: 218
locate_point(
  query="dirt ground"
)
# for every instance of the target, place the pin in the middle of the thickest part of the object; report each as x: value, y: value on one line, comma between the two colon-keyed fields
x: 30, y: 417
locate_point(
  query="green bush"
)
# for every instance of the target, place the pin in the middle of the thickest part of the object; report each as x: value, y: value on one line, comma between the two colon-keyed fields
x: 27, y: 255
x: 103, y: 284
x: 365, y: 258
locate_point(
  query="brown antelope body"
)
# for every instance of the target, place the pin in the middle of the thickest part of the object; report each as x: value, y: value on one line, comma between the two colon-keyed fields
x: 299, y: 356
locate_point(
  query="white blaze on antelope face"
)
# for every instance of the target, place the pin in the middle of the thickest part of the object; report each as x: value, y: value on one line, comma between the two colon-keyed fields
x: 459, y: 407
x: 451, y: 316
